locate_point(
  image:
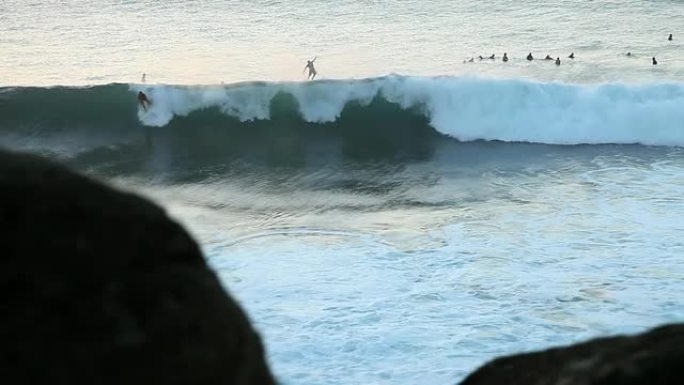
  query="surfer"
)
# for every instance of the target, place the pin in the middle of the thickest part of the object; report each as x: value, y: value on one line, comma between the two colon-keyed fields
x: 572, y: 56
x: 669, y: 37
x: 655, y: 62
x: 529, y: 56
x: 142, y: 80
x: 558, y: 61
x: 548, y: 57
x: 492, y: 57
x: 143, y: 101
x: 312, y: 70
x: 629, y: 54
x: 505, y: 57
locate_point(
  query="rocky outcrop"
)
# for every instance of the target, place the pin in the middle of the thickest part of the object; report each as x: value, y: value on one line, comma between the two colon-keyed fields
x: 652, y: 358
x: 101, y: 287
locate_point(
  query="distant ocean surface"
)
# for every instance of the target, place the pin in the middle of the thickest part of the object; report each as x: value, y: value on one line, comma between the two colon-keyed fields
x: 409, y: 216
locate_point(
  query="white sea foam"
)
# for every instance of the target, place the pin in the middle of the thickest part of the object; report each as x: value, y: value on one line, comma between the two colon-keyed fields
x: 463, y: 108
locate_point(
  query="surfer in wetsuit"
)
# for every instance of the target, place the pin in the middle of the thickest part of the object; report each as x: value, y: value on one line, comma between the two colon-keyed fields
x: 505, y: 57
x: 572, y: 56
x: 143, y: 101
x: 655, y: 62
x: 312, y: 70
x: 530, y: 57
x: 669, y: 38
x: 548, y: 57
x: 558, y: 61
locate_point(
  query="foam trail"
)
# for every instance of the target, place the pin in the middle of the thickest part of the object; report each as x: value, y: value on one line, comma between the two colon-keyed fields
x: 464, y: 108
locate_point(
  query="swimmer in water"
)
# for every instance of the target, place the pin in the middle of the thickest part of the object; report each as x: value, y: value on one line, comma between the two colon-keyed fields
x: 492, y: 57
x: 629, y: 54
x: 655, y: 62
x: 530, y: 57
x: 505, y: 57
x: 548, y: 57
x: 312, y: 69
x: 572, y: 56
x: 669, y: 37
x: 143, y: 101
x: 558, y: 61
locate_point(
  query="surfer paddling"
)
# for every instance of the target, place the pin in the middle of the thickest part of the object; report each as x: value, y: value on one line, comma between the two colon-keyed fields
x: 310, y: 66
x: 143, y: 101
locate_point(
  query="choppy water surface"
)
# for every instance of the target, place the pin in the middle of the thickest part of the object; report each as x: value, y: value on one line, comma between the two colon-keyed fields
x: 420, y: 272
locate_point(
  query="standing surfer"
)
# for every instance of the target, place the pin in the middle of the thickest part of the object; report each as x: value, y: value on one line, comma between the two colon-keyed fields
x: 312, y: 70
x: 143, y: 101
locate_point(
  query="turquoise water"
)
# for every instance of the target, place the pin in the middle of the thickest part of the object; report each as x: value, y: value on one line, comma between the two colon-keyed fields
x: 410, y: 216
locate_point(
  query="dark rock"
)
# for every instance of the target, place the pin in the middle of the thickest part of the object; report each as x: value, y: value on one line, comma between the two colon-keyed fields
x: 101, y: 287
x: 653, y: 358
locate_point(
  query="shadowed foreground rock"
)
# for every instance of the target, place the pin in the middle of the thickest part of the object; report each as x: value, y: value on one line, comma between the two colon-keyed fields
x: 652, y: 358
x: 100, y: 287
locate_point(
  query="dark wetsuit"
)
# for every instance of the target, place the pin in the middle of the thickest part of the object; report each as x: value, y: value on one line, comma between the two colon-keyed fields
x: 143, y: 101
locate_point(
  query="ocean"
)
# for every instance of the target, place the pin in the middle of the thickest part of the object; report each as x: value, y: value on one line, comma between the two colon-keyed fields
x: 409, y: 215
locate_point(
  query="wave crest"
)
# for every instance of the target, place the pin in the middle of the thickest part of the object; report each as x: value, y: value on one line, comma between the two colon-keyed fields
x: 463, y: 108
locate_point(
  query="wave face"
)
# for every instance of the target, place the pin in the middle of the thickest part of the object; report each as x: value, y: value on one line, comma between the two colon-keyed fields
x: 463, y: 108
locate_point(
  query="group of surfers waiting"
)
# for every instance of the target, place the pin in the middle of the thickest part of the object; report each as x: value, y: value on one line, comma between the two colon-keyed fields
x: 530, y: 57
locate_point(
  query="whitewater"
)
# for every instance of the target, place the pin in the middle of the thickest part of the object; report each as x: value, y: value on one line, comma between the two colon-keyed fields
x: 409, y: 216
x: 463, y: 108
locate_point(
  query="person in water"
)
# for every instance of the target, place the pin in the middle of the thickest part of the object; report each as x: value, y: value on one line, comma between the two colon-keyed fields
x: 505, y: 57
x: 492, y: 57
x: 143, y: 101
x: 669, y: 37
x: 572, y: 56
x: 312, y: 70
x: 558, y: 61
x: 142, y: 80
x: 530, y: 57
x: 548, y: 57
x: 655, y: 62
x: 629, y: 54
